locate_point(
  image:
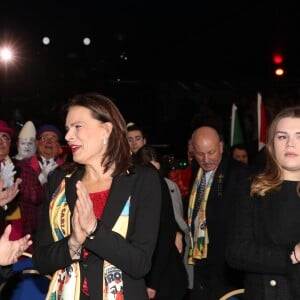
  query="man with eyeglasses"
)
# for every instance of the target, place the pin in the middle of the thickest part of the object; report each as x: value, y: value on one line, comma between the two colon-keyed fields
x: 5, y: 137
x: 9, y: 208
x: 34, y: 174
x: 48, y: 146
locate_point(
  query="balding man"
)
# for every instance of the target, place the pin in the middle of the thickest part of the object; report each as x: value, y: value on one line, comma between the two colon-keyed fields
x: 209, y: 211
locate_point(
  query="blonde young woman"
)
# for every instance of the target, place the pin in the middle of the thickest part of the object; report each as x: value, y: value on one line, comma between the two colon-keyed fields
x: 100, y: 223
x: 266, y: 232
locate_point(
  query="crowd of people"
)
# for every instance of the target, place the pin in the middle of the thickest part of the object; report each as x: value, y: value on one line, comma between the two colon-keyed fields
x: 115, y: 222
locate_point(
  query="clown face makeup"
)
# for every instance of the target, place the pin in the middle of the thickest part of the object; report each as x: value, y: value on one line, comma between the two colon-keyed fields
x: 26, y: 147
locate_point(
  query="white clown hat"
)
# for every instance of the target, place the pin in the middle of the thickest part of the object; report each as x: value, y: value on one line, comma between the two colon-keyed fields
x: 28, y: 131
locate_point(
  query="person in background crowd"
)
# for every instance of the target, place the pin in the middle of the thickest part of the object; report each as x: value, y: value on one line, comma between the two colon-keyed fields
x: 34, y: 175
x: 240, y: 153
x: 167, y: 258
x: 111, y: 209
x: 266, y: 229
x: 135, y: 136
x: 9, y: 250
x: 8, y: 174
x: 190, y: 152
x: 26, y: 141
x: 26, y: 146
x: 182, y: 235
x: 48, y: 147
x: 6, y: 197
x: 182, y: 177
x: 210, y: 208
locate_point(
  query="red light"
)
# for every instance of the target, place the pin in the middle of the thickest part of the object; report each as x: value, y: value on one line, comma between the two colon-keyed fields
x: 277, y: 59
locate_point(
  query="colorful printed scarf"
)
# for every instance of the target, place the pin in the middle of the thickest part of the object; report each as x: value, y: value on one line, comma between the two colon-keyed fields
x: 65, y: 283
x: 199, y: 240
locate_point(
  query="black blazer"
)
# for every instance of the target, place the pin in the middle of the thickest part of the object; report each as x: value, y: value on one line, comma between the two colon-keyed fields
x: 167, y: 275
x: 132, y: 255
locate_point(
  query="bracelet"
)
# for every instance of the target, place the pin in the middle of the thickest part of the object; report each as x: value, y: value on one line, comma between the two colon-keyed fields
x: 77, y: 251
x: 298, y: 261
x: 90, y: 235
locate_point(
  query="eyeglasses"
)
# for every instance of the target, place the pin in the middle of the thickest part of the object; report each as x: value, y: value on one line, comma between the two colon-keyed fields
x: 4, y: 138
x: 49, y: 138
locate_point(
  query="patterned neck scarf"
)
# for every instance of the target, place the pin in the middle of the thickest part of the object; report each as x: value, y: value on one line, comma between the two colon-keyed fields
x: 66, y: 283
x: 199, y: 239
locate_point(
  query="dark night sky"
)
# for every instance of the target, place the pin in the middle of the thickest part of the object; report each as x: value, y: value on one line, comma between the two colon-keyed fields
x: 215, y: 39
x: 175, y: 50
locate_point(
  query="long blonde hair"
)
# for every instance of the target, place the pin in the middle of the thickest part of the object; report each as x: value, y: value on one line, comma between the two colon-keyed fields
x: 271, y: 178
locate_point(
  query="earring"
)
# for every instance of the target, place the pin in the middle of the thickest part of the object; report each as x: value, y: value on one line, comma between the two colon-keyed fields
x: 104, y: 141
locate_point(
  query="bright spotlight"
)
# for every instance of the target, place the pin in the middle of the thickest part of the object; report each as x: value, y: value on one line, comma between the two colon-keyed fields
x: 86, y: 41
x: 46, y: 40
x: 279, y: 72
x: 6, y: 54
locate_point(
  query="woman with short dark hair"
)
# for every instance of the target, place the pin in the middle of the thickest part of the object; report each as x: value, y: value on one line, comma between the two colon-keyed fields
x: 101, y: 218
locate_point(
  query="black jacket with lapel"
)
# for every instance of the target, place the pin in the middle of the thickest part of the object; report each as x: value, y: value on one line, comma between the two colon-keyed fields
x: 132, y: 255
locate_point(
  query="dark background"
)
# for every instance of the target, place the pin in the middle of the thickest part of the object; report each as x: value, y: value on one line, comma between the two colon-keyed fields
x: 186, y: 61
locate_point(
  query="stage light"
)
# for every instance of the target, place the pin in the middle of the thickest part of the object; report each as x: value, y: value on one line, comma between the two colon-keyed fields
x: 46, y: 40
x: 7, y: 58
x: 277, y: 58
x: 86, y: 41
x: 279, y: 72
x: 6, y: 54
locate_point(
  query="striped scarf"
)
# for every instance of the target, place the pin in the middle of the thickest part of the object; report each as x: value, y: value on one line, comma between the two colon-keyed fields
x: 199, y: 239
x: 66, y: 283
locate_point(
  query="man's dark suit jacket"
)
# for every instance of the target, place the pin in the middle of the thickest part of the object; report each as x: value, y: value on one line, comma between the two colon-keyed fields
x: 219, y: 211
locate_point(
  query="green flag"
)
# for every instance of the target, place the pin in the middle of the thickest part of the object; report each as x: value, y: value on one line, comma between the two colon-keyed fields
x: 236, y: 129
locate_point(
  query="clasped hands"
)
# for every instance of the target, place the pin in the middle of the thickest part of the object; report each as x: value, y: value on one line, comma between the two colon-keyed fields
x: 83, y: 219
